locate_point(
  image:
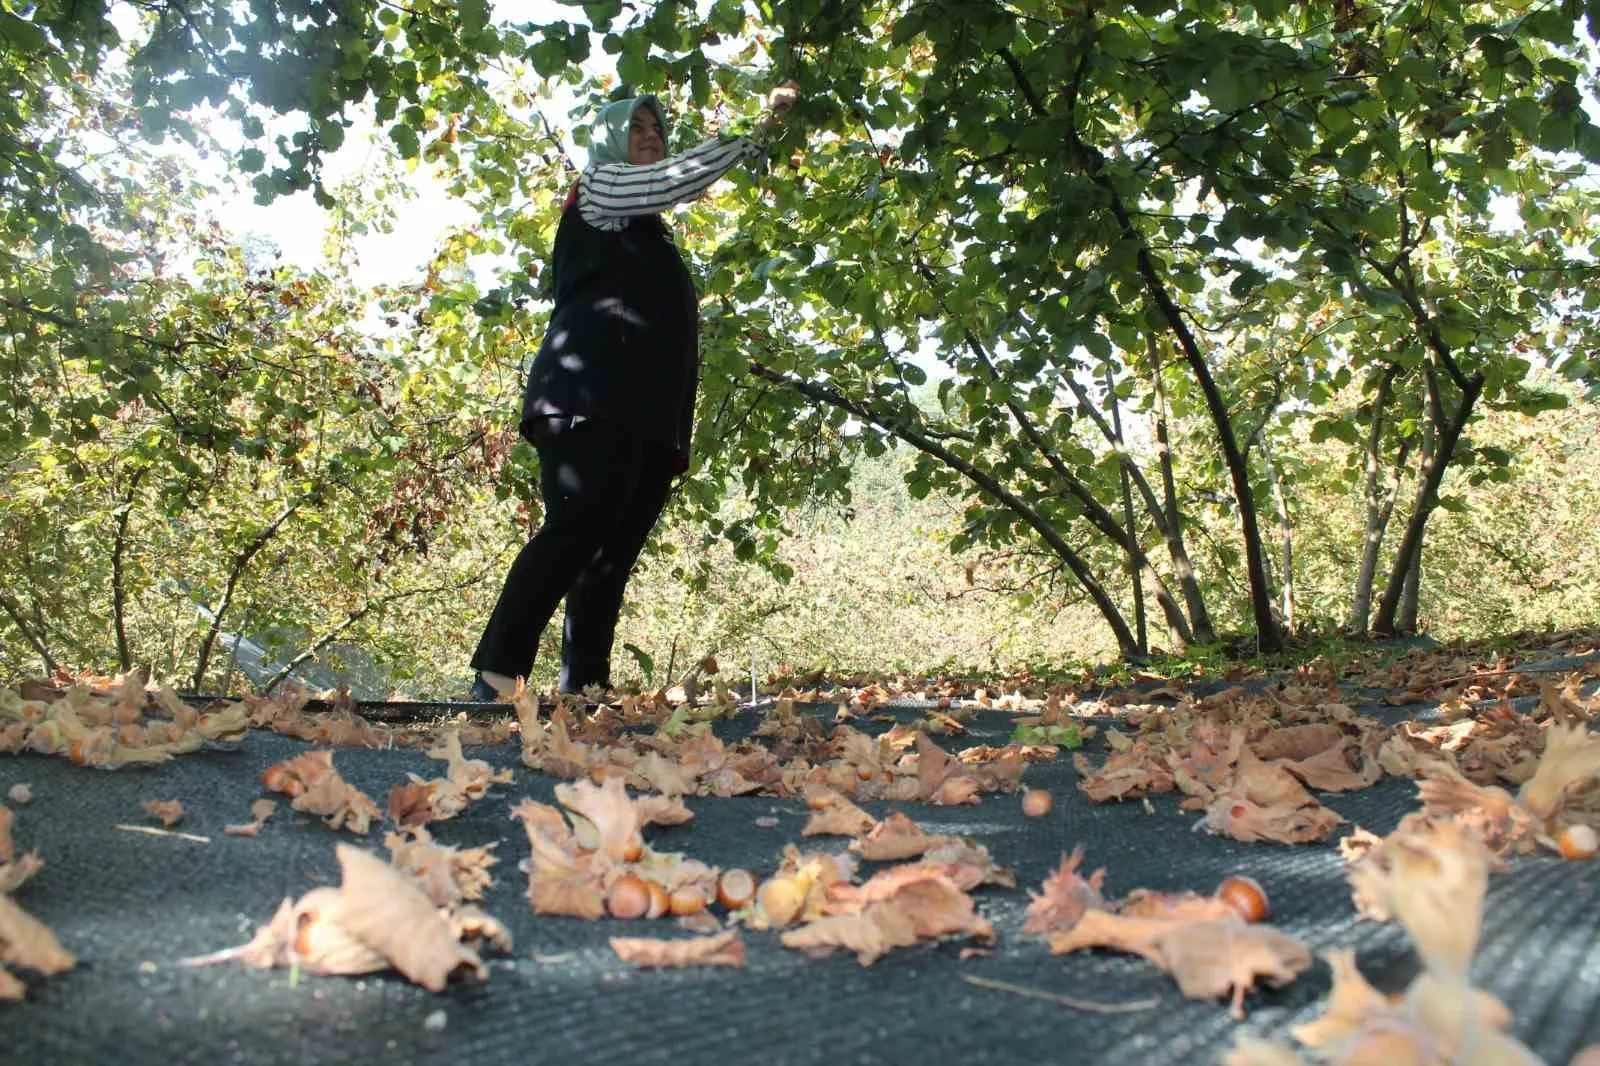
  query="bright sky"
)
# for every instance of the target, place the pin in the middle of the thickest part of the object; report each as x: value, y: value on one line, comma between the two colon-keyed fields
x: 297, y: 225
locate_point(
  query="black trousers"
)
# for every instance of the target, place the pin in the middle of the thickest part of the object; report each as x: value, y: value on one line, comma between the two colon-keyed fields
x: 603, y: 491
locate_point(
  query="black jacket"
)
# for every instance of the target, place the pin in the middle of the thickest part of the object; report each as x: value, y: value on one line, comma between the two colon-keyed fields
x: 623, y: 340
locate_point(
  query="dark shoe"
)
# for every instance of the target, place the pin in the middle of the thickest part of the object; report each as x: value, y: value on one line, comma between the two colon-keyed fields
x: 483, y: 692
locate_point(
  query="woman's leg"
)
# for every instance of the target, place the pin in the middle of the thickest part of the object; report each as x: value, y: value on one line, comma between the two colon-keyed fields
x: 595, y: 599
x: 587, y: 476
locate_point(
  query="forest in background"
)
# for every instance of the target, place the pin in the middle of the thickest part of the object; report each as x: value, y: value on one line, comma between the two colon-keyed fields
x: 1286, y: 309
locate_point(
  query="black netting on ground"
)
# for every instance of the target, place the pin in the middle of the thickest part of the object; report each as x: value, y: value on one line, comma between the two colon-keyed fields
x: 129, y: 905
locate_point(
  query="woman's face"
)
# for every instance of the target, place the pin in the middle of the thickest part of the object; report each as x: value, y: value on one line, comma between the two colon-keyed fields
x: 644, y: 138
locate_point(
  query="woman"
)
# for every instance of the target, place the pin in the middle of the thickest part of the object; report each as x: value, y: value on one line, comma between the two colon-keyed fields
x: 609, y: 401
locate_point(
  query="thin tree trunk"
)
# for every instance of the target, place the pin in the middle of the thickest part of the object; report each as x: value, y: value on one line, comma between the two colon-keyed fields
x: 1410, y: 594
x: 1267, y: 636
x: 1280, y: 503
x: 235, y: 574
x: 1140, y: 630
x: 1093, y: 165
x: 35, y: 640
x: 119, y: 588
x: 233, y: 651
x: 1449, y: 435
x: 1074, y: 562
x: 1199, y: 617
x: 1377, y: 517
x: 1093, y: 509
x: 1410, y: 591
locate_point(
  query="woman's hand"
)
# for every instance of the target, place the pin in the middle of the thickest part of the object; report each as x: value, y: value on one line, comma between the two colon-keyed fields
x: 779, y: 101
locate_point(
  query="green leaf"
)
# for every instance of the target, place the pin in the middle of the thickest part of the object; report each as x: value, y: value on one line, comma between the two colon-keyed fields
x: 647, y: 665
x: 405, y: 139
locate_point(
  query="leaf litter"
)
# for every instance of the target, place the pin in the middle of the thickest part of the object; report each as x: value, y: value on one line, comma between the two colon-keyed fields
x: 1249, y: 762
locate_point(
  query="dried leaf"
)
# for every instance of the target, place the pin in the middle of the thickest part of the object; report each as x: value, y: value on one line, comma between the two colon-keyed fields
x: 14, y: 874
x: 1433, y: 880
x: 1571, y: 757
x: 1350, y: 1003
x: 317, y: 788
x: 1238, y: 817
x: 724, y: 949
x: 664, y: 776
x: 1489, y: 812
x: 1065, y: 897
x: 1297, y: 742
x: 895, y: 909
x: 27, y: 943
x: 471, y: 776
x: 1101, y: 929
x: 167, y: 812
x: 662, y: 810
x: 447, y: 875
x: 833, y: 815
x: 610, y: 820
x: 387, y: 912
x: 1211, y: 959
x: 895, y: 838
x: 1174, y: 906
x: 260, y: 811
x: 871, y: 934
x: 954, y: 791
x: 967, y: 864
x: 411, y: 804
x: 1130, y: 774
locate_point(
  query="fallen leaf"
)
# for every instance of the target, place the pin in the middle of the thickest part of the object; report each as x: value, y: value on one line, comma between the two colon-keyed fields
x: 895, y: 838
x: 1571, y: 757
x: 1489, y: 812
x: 871, y: 934
x: 260, y: 811
x: 167, y: 812
x: 1064, y: 897
x: 1238, y: 817
x: 1296, y: 742
x: 1133, y: 773
x: 28, y: 944
x: 1097, y: 928
x: 969, y: 865
x: 1212, y: 959
x: 1350, y: 1003
x: 316, y: 788
x: 898, y: 907
x: 472, y: 777
x: 607, y: 819
x: 833, y: 815
x: 21, y: 794
x: 376, y: 919
x: 1433, y: 879
x: 724, y: 949
x: 410, y: 804
x: 448, y: 875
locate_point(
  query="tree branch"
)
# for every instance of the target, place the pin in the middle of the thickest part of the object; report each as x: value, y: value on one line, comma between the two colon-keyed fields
x: 119, y: 590
x: 985, y: 481
x: 357, y: 615
x: 36, y: 640
x: 235, y: 574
